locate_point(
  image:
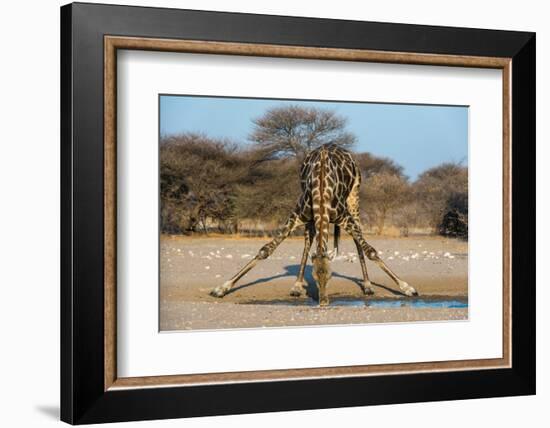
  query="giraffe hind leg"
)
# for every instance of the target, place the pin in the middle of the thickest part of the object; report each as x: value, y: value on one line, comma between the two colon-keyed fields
x: 353, y: 210
x: 366, y: 286
x: 353, y: 227
x: 292, y: 223
x: 405, y: 288
x: 300, y: 284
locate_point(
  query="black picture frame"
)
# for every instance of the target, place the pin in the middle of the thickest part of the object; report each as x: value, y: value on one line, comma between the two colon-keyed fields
x: 83, y: 398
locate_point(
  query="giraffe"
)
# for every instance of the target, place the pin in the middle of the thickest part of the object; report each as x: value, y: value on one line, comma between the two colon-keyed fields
x: 330, y: 182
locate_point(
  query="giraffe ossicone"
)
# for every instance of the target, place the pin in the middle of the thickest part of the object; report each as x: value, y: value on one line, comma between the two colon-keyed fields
x: 330, y: 181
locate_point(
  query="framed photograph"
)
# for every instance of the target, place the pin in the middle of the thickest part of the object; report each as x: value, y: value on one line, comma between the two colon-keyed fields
x: 265, y: 213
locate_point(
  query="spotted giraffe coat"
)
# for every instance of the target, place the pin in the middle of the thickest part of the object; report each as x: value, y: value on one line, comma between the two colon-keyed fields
x: 330, y: 181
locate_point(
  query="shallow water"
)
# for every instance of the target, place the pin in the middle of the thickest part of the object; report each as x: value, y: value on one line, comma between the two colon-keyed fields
x: 452, y: 303
x: 416, y: 303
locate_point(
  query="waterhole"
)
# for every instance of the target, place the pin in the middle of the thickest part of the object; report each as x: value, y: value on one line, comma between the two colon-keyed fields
x: 436, y: 303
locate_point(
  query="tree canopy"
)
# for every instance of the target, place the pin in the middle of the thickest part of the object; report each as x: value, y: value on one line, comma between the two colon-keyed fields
x: 294, y: 131
x: 215, y: 184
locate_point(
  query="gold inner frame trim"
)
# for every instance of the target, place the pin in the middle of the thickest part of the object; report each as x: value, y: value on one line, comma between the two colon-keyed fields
x: 113, y: 43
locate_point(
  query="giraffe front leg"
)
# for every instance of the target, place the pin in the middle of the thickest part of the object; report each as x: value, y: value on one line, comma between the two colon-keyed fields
x: 226, y: 287
x: 292, y: 223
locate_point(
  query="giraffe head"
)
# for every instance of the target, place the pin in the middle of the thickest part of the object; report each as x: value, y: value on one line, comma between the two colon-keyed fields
x: 321, y: 274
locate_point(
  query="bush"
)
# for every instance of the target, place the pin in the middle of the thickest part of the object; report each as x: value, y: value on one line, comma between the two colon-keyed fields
x: 435, y: 188
x: 210, y: 184
x: 381, y: 195
x: 455, y: 220
x: 197, y: 181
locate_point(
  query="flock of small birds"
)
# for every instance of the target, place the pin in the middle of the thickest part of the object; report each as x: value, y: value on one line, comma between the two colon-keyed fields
x: 349, y: 257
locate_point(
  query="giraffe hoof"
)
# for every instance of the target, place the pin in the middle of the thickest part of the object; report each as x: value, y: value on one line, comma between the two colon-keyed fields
x: 368, y: 291
x: 295, y: 292
x: 220, y: 291
x: 410, y: 291
x: 323, y: 302
x: 367, y: 288
x: 217, y: 292
x: 298, y: 288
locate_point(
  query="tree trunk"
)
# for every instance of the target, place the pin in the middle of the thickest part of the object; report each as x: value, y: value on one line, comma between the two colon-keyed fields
x: 381, y: 221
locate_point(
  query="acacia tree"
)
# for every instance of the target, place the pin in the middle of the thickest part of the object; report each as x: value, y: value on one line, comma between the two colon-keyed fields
x: 370, y: 164
x: 382, y: 193
x: 197, y: 182
x: 270, y: 192
x: 293, y: 131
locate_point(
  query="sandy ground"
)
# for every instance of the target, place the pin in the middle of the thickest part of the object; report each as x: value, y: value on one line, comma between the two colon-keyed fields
x: 192, y: 266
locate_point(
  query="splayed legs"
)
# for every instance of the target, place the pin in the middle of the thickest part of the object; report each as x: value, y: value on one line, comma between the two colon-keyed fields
x: 292, y: 223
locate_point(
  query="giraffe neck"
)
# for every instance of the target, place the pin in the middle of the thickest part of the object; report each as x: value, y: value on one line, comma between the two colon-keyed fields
x: 323, y: 215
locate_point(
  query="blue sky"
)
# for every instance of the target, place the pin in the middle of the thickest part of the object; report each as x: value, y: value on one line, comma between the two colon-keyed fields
x: 417, y: 137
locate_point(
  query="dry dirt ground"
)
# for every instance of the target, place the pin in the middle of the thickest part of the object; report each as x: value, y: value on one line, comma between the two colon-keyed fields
x: 192, y: 266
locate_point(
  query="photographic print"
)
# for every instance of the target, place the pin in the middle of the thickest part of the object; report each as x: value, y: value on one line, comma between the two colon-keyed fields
x: 287, y: 192
x: 280, y: 213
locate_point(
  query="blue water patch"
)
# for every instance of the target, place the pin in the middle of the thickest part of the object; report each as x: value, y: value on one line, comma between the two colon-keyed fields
x: 416, y: 303
x: 436, y: 303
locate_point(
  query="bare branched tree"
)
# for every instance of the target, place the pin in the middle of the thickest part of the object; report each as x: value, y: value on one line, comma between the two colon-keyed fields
x: 293, y: 131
